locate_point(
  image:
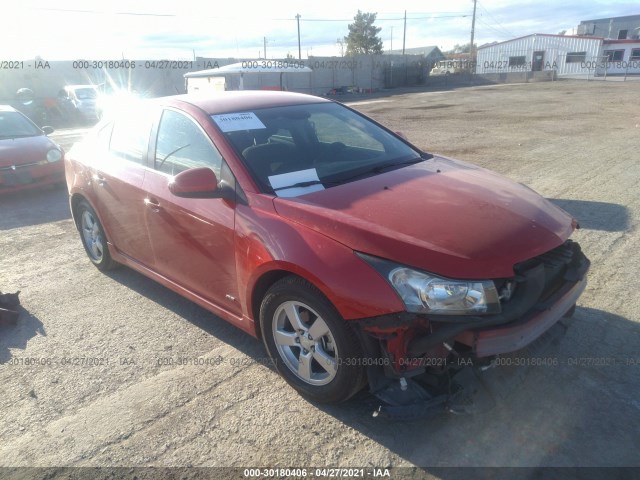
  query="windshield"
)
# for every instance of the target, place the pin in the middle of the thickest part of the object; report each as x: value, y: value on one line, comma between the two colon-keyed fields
x: 323, y: 143
x: 14, y: 124
x: 86, y: 93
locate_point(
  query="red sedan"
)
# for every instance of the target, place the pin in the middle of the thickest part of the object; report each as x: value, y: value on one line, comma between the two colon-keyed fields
x: 356, y: 257
x: 28, y: 158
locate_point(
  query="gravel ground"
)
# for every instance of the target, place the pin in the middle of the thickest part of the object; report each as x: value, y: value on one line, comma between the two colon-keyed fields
x: 130, y: 402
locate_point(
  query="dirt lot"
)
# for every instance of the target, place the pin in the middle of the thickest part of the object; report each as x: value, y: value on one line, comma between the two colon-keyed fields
x: 129, y: 403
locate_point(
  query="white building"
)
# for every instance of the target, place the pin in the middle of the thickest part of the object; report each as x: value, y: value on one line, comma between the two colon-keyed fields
x: 563, y: 54
x: 619, y: 57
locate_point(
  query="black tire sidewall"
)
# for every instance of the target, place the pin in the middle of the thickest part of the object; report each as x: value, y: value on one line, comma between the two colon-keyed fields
x: 349, y: 378
x: 106, y: 263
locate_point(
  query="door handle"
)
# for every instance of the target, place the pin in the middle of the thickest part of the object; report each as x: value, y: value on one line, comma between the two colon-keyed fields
x: 99, y: 179
x: 153, y: 204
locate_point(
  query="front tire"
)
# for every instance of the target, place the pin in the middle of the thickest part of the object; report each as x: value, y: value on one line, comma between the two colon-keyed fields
x: 309, y: 343
x: 93, y: 237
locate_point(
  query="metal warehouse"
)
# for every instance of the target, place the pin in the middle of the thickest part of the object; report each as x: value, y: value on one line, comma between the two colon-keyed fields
x: 564, y: 54
x: 619, y: 57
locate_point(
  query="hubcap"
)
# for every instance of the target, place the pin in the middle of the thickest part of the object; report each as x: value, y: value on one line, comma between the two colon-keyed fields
x: 305, y: 343
x: 91, y: 236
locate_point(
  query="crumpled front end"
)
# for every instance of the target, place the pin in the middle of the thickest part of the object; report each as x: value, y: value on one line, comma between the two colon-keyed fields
x: 424, y: 361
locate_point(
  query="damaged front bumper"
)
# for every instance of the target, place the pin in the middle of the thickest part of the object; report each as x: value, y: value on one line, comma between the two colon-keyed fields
x: 519, y: 334
x: 434, y: 364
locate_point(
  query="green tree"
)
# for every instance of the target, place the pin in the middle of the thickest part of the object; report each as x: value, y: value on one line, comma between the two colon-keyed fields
x: 363, y: 35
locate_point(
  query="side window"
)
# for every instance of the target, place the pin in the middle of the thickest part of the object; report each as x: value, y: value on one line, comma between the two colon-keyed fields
x: 181, y: 145
x: 130, y: 136
x: 282, y: 136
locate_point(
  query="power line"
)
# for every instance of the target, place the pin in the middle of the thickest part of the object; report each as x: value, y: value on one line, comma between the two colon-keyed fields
x: 383, y: 19
x: 501, y: 34
x: 497, y: 21
x: 174, y: 15
x: 97, y: 12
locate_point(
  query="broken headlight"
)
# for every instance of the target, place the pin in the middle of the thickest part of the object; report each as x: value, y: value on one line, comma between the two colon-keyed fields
x: 427, y: 293
x: 424, y: 292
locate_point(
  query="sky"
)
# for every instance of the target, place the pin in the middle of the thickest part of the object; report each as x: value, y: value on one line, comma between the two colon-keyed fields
x: 182, y: 29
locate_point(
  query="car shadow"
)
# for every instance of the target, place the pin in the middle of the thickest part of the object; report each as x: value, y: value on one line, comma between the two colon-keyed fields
x: 34, y: 207
x: 18, y: 335
x: 190, y: 311
x: 584, y: 401
x: 609, y: 217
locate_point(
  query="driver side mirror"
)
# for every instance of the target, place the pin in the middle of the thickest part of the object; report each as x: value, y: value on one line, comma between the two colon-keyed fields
x: 200, y: 183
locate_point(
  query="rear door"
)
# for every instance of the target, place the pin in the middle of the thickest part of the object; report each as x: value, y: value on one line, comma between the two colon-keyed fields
x: 117, y: 178
x: 192, y: 238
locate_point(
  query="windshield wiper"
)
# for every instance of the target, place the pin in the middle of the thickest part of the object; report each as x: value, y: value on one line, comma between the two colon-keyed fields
x: 300, y: 184
x: 381, y: 168
x: 376, y: 169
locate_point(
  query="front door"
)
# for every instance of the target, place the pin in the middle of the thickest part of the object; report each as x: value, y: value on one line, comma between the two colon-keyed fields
x: 537, y: 65
x: 192, y: 238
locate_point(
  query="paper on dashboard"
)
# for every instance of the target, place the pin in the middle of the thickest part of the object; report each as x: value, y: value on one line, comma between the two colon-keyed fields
x: 283, y: 183
x: 233, y: 122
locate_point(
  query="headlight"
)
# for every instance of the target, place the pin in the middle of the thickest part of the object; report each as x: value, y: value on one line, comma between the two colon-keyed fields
x: 53, y: 155
x: 424, y: 292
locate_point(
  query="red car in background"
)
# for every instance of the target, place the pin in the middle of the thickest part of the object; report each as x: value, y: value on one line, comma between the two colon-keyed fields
x: 356, y: 257
x: 28, y: 158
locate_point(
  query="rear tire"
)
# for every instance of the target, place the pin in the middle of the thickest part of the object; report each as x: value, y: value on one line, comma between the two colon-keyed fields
x: 310, y: 344
x: 94, y: 240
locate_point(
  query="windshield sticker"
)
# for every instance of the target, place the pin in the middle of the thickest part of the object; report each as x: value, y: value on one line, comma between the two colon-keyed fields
x: 293, y: 184
x: 232, y: 122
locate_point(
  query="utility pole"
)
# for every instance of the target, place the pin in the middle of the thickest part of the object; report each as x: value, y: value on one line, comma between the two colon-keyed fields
x: 404, y: 34
x: 473, y: 28
x: 299, y: 50
x: 265, y: 47
x: 391, y: 39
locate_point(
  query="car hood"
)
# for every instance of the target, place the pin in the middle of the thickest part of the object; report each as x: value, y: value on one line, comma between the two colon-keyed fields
x: 440, y: 215
x: 23, y: 150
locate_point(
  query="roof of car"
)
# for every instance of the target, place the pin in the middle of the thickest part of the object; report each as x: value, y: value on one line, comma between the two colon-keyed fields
x: 7, y: 108
x: 239, y: 101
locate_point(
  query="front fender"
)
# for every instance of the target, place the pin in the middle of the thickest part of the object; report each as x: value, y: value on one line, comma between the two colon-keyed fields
x: 267, y: 242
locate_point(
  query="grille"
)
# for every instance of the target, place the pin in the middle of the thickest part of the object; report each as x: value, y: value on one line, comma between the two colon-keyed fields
x: 556, y: 263
x: 22, y: 165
